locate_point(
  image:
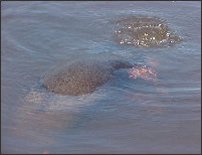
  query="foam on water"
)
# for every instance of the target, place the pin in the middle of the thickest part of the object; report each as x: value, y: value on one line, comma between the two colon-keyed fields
x: 43, y: 100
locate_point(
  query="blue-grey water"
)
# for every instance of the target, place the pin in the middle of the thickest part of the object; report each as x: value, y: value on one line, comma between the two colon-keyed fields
x: 122, y: 116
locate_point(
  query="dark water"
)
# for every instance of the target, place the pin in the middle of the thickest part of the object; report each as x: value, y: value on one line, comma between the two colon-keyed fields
x: 124, y: 115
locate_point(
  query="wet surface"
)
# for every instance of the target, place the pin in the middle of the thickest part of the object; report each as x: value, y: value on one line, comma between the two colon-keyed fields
x: 85, y: 75
x: 79, y: 77
x: 145, y: 31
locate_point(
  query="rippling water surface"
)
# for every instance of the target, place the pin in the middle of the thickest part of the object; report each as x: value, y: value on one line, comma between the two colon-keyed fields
x: 122, y: 116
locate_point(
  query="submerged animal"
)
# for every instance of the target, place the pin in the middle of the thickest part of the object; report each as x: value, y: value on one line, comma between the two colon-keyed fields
x: 82, y: 76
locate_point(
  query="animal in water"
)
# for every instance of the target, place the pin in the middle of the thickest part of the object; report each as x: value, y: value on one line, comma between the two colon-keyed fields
x: 82, y: 76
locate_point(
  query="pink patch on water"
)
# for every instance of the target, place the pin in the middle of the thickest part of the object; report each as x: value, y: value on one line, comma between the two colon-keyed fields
x: 144, y: 72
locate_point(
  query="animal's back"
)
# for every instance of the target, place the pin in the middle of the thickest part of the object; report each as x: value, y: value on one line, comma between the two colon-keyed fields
x: 79, y: 77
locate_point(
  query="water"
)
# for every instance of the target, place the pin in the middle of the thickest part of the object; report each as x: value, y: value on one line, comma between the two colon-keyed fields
x: 122, y: 116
